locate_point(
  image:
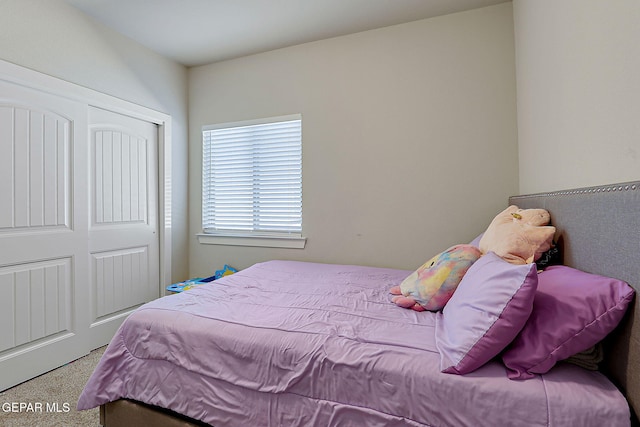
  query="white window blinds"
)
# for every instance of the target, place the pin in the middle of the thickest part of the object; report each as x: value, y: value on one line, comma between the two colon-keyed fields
x: 252, y: 178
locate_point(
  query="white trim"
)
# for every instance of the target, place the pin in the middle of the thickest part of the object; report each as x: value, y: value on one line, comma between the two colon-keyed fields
x: 164, y: 203
x: 253, y: 122
x: 258, y: 241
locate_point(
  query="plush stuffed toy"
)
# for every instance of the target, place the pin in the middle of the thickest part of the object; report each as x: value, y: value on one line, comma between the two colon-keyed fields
x: 433, y: 284
x: 519, y: 236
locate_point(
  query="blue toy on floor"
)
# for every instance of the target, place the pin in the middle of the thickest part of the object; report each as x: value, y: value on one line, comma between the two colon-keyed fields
x: 226, y: 270
x: 188, y: 284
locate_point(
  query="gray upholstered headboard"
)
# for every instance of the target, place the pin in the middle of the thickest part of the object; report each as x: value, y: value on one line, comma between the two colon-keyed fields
x: 598, y: 231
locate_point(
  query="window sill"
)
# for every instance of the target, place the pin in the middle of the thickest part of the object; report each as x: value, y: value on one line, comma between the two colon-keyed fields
x: 257, y: 241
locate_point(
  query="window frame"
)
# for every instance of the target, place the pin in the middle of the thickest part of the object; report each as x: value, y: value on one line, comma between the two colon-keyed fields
x: 291, y: 239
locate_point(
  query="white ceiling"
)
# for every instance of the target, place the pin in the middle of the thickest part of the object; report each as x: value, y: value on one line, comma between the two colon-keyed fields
x: 196, y: 32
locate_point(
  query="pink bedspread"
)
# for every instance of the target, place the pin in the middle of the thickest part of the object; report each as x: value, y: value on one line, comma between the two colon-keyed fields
x: 300, y: 344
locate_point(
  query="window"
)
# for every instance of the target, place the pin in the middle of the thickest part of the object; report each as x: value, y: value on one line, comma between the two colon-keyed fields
x: 252, y: 182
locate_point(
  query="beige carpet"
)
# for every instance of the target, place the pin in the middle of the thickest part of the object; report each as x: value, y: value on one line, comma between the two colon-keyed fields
x: 59, y: 387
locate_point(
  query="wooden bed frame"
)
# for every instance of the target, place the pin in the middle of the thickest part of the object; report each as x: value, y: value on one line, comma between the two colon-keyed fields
x: 598, y: 231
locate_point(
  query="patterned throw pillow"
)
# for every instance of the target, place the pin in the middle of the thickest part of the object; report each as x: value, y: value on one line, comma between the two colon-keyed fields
x: 433, y: 284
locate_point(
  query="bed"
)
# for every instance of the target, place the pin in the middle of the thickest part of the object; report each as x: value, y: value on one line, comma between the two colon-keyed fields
x: 286, y: 343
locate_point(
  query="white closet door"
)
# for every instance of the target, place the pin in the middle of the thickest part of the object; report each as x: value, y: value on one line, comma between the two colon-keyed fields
x: 79, y: 245
x: 43, y: 232
x: 123, y: 225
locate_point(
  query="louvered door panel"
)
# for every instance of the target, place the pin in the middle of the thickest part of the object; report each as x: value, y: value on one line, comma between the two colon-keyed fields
x: 121, y: 278
x: 34, y: 169
x: 36, y: 301
x: 121, y: 173
x: 123, y: 239
x: 43, y: 232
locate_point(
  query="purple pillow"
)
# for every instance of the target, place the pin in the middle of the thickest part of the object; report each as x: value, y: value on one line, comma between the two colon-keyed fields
x: 476, y: 242
x: 572, y: 311
x: 485, y: 313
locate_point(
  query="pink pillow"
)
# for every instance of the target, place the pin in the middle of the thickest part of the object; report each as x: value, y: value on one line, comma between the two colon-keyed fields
x: 485, y: 313
x: 572, y: 311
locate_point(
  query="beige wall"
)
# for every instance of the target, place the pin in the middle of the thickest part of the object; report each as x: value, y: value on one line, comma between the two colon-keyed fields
x: 51, y: 37
x: 578, y: 68
x: 409, y: 131
x: 409, y: 136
